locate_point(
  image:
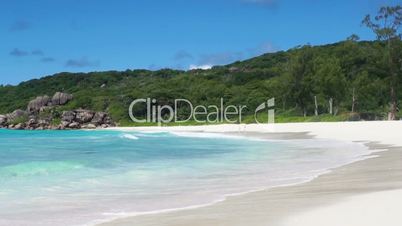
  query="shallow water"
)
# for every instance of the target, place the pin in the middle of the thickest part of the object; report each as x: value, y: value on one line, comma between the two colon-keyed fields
x: 84, y: 177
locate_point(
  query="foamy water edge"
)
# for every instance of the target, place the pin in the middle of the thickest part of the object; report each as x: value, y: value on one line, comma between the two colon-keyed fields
x: 123, y: 215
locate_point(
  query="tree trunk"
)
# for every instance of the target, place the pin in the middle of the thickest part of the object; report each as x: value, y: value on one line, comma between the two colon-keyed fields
x: 353, y: 101
x: 331, y: 101
x: 393, y: 107
x: 316, y: 106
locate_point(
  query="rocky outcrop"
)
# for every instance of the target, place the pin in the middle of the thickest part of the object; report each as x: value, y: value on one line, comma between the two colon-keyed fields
x: 38, y: 103
x: 14, y: 120
x: 34, y: 123
x: 19, y: 126
x: 84, y: 116
x: 99, y: 118
x: 77, y: 119
x: 41, y: 102
x: 68, y: 116
x: 88, y: 126
x: 16, y: 115
x: 74, y: 125
x: 85, y: 119
x: 60, y: 98
x: 3, y: 120
x: 35, y: 119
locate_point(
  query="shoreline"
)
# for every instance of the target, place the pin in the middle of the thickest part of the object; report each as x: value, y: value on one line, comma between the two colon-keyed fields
x: 230, y: 211
x: 190, y: 132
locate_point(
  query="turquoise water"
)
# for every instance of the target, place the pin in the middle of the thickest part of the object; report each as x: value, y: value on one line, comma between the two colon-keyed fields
x: 84, y: 177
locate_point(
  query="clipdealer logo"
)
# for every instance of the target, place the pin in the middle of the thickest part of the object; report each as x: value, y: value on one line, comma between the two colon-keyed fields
x: 211, y: 114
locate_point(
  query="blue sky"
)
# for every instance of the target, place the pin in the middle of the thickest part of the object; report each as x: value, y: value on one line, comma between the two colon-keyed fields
x: 43, y: 37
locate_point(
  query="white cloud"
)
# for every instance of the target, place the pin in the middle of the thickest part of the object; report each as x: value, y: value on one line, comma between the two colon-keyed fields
x: 203, y: 67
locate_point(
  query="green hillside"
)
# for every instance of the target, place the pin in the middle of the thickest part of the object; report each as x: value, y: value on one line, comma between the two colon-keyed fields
x: 355, y: 75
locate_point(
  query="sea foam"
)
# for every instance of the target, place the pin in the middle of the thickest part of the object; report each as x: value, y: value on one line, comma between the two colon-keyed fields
x: 129, y: 136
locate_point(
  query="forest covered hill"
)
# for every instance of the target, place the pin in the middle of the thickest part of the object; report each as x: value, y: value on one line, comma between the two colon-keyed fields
x: 353, y: 75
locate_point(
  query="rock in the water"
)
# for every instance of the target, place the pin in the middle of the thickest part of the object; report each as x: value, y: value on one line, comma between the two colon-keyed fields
x: 38, y: 103
x: 68, y: 116
x: 54, y: 127
x: 84, y: 116
x: 74, y: 125
x: 19, y: 126
x: 89, y: 126
x: 60, y: 98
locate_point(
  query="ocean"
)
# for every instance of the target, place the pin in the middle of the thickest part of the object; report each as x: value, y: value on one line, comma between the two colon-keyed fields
x: 63, y: 178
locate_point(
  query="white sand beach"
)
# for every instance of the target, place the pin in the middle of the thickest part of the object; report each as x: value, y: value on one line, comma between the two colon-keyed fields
x: 380, y: 208
x: 364, y: 193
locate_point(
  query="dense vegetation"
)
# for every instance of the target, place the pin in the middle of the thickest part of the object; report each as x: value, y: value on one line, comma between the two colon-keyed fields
x: 353, y: 74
